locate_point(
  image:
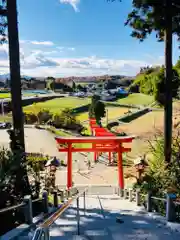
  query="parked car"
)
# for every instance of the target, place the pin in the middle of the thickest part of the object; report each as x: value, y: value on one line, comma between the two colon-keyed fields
x: 5, y: 125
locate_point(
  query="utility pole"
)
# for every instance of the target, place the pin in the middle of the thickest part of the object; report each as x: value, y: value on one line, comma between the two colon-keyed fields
x: 168, y: 82
x: 14, y: 59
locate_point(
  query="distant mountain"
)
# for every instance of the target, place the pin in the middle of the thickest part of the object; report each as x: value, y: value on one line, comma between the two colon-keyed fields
x: 4, y: 77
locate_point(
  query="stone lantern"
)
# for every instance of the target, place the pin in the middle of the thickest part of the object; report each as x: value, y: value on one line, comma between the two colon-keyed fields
x: 140, y: 165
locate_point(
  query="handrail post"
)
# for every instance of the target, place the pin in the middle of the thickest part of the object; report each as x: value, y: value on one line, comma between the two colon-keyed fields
x: 28, y: 210
x: 130, y: 195
x: 78, y: 218
x: 84, y: 198
x: 45, y: 201
x: 46, y: 233
x: 138, y: 200
x: 170, y: 209
x: 62, y: 196
x: 149, y: 201
x: 55, y: 194
x: 125, y: 193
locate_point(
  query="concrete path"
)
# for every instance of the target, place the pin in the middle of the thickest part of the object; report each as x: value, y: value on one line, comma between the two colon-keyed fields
x: 99, y: 222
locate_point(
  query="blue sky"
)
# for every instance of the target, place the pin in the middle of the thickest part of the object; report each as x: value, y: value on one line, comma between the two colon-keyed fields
x: 80, y: 37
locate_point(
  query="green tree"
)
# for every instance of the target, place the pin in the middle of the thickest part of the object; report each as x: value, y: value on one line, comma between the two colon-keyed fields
x: 163, y: 18
x: 160, y: 86
x: 148, y: 16
x: 50, y: 84
x: 97, y: 109
x: 3, y: 22
x: 152, y: 82
x: 74, y: 86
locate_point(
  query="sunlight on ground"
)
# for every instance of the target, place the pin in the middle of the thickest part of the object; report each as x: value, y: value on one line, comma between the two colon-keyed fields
x: 56, y: 105
x: 113, y: 113
x: 137, y: 98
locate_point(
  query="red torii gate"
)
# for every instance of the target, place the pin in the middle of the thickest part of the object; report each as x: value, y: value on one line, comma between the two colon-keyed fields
x: 98, y: 131
x: 102, y: 144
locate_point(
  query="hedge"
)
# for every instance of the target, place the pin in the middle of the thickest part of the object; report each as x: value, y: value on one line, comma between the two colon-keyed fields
x: 81, y: 109
x: 29, y: 101
x: 130, y: 117
x: 120, y: 105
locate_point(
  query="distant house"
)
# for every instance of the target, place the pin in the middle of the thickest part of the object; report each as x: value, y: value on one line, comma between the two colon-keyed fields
x: 40, y: 84
x: 122, y: 91
x: 108, y: 97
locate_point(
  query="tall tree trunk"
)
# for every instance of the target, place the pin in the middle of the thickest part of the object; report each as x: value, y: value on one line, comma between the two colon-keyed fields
x: 168, y: 83
x: 16, y: 101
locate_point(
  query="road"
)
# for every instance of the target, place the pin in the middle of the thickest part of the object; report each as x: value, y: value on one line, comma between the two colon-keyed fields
x: 42, y: 141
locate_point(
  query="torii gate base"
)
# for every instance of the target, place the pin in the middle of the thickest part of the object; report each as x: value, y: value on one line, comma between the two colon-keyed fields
x: 100, y: 144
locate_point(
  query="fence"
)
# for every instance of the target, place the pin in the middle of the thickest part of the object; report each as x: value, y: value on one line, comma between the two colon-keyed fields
x: 63, y: 198
x: 165, y: 206
x: 43, y: 231
x: 29, y: 208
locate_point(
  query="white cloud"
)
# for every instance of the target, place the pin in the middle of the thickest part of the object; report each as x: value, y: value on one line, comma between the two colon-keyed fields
x: 38, y: 62
x: 22, y: 41
x: 71, y: 49
x: 38, y: 65
x: 46, y: 43
x: 60, y: 48
x: 73, y: 3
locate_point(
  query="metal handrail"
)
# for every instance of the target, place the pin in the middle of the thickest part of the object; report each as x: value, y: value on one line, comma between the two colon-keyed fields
x: 12, y: 207
x: 36, y: 200
x: 44, y: 227
x: 159, y: 199
x: 18, y: 206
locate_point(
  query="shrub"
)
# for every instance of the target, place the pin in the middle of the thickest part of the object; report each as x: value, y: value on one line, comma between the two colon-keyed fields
x: 161, y: 176
x: 66, y: 120
x: 30, y: 118
x: 44, y: 116
x: 41, y: 117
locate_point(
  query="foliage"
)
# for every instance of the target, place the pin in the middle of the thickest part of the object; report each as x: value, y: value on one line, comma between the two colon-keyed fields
x: 67, y: 120
x: 3, y: 23
x: 44, y: 116
x: 50, y: 83
x: 148, y: 16
x: 30, y: 118
x: 10, y: 191
x: 97, y: 109
x: 160, y: 85
x: 74, y: 86
x: 160, y: 177
x: 151, y: 81
x: 41, y: 117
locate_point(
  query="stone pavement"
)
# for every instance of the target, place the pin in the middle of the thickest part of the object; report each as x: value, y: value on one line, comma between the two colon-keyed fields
x: 99, y: 222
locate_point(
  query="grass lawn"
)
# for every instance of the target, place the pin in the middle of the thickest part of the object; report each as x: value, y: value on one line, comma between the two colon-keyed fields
x: 5, y: 95
x: 136, y: 99
x: 113, y: 113
x: 64, y: 134
x: 8, y: 95
x: 58, y: 104
x: 6, y: 118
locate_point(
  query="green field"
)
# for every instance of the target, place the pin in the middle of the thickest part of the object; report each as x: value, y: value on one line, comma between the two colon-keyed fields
x: 8, y: 95
x: 113, y: 113
x: 58, y: 104
x: 137, y: 99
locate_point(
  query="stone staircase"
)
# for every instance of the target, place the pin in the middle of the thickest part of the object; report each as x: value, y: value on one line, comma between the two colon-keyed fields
x: 107, y: 216
x: 103, y: 214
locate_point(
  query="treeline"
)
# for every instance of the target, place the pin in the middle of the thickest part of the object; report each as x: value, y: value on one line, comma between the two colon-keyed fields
x: 151, y: 81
